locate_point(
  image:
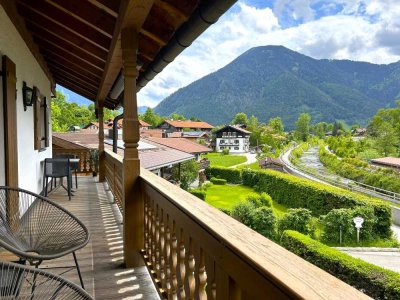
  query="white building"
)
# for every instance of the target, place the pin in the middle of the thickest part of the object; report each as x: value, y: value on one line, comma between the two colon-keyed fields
x: 234, y: 138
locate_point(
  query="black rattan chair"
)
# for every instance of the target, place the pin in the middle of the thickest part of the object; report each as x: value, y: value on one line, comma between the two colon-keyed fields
x: 57, y: 168
x: 73, y: 165
x: 21, y: 282
x: 37, y: 229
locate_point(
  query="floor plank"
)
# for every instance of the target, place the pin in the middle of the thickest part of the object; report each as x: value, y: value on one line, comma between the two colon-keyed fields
x: 101, y: 260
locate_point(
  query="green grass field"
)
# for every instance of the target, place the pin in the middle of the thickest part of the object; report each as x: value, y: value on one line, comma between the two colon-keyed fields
x: 219, y: 160
x: 253, y: 166
x: 227, y: 196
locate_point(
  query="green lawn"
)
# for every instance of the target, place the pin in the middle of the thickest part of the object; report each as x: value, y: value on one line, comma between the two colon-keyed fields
x: 253, y: 166
x: 219, y: 160
x: 227, y: 196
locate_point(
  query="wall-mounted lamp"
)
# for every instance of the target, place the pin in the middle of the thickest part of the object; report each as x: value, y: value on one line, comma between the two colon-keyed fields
x: 28, y: 95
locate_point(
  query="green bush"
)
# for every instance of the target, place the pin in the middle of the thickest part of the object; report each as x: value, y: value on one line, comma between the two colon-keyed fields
x: 225, y: 151
x: 264, y: 221
x: 259, y: 200
x: 229, y: 174
x: 335, y: 221
x: 217, y: 181
x: 375, y: 281
x: 199, y: 193
x: 298, y: 219
x: 243, y: 212
x: 319, y: 198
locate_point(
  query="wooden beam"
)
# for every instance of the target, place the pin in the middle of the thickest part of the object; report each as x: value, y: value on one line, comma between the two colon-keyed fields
x: 73, y: 70
x: 75, y: 88
x: 81, y: 80
x: 158, y: 40
x: 75, y: 62
x: 87, y: 13
x: 11, y: 10
x: 55, y: 70
x: 66, y: 52
x: 172, y: 10
x: 59, y: 34
x: 102, y: 157
x: 133, y: 13
x: 41, y: 12
x: 109, y: 6
x: 83, y: 86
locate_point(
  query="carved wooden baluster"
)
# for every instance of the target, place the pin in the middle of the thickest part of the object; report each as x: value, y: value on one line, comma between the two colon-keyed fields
x: 201, y: 275
x: 190, y: 283
x: 181, y: 272
x: 149, y: 237
x: 146, y: 223
x: 211, y: 287
x: 173, y: 263
x: 167, y: 255
x: 157, y: 243
x: 162, y: 248
x: 153, y: 236
x: 81, y: 162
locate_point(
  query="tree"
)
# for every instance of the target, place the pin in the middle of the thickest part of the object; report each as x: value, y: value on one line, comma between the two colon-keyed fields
x: 276, y: 124
x: 303, y: 127
x: 151, y: 117
x: 386, y: 138
x: 176, y: 117
x: 240, y: 118
x: 337, y: 128
x: 186, y: 174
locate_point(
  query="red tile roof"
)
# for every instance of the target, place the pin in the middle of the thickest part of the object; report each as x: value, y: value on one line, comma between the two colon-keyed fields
x: 180, y: 144
x: 388, y: 161
x: 189, y: 124
x: 144, y: 124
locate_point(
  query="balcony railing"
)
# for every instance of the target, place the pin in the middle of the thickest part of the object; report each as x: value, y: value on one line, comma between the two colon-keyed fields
x: 113, y: 168
x: 194, y: 251
x: 82, y: 154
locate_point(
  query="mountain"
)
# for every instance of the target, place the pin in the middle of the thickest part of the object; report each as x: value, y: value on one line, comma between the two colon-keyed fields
x: 274, y: 81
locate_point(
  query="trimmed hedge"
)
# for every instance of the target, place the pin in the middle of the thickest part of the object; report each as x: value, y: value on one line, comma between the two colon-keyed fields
x: 375, y: 281
x: 229, y: 174
x: 218, y: 181
x: 199, y: 193
x: 319, y: 198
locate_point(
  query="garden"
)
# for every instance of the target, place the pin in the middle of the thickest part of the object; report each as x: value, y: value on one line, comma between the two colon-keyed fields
x: 307, y: 217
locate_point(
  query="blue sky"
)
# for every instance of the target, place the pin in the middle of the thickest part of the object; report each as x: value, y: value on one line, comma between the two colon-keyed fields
x: 362, y: 30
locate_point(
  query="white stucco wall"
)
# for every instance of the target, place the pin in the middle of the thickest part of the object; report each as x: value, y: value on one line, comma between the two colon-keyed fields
x: 30, y: 162
x: 243, y: 144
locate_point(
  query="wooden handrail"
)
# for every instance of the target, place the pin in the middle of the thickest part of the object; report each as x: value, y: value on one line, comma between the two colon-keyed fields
x: 194, y: 250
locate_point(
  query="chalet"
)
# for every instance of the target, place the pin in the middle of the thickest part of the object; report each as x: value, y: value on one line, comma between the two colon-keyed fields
x: 272, y: 164
x: 148, y: 239
x: 173, y: 126
x: 234, y: 138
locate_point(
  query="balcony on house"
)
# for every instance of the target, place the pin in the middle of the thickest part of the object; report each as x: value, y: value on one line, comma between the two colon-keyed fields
x: 149, y: 238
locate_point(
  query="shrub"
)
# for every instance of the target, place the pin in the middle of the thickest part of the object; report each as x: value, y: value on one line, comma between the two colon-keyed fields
x: 217, y: 181
x: 225, y: 151
x: 335, y: 221
x: 375, y: 281
x: 229, y: 174
x: 243, y: 212
x: 298, y: 219
x: 259, y: 200
x: 264, y: 221
x: 199, y: 193
x: 319, y: 198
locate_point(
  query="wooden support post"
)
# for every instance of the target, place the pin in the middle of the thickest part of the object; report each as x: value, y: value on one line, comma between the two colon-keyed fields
x: 102, y: 163
x: 132, y: 196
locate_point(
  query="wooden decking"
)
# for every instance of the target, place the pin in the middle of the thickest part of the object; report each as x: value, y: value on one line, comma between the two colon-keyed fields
x: 101, y: 260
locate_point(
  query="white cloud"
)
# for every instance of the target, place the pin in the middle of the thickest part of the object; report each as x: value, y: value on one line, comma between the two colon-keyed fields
x: 369, y: 36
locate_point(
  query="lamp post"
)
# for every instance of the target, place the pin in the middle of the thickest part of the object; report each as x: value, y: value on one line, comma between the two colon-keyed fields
x: 358, y: 221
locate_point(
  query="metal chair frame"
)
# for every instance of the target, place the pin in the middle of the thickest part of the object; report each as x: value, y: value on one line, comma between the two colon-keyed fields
x: 36, y: 231
x: 72, y: 166
x: 57, y: 175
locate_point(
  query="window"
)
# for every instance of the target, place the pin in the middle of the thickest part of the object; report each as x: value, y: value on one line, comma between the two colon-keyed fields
x: 221, y: 148
x: 236, y: 141
x: 222, y: 142
x: 41, y: 120
x: 236, y: 148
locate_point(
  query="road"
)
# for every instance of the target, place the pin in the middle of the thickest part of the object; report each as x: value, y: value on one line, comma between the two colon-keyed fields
x: 251, y: 158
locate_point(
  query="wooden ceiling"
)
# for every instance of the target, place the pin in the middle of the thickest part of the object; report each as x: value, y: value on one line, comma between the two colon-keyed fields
x: 76, y: 40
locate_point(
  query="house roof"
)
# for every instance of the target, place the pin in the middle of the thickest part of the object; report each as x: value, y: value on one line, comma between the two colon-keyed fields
x: 271, y: 160
x: 151, y: 158
x: 79, y: 45
x: 194, y: 134
x: 189, y: 124
x: 237, y: 128
x: 181, y: 144
x: 388, y: 161
x: 144, y: 124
